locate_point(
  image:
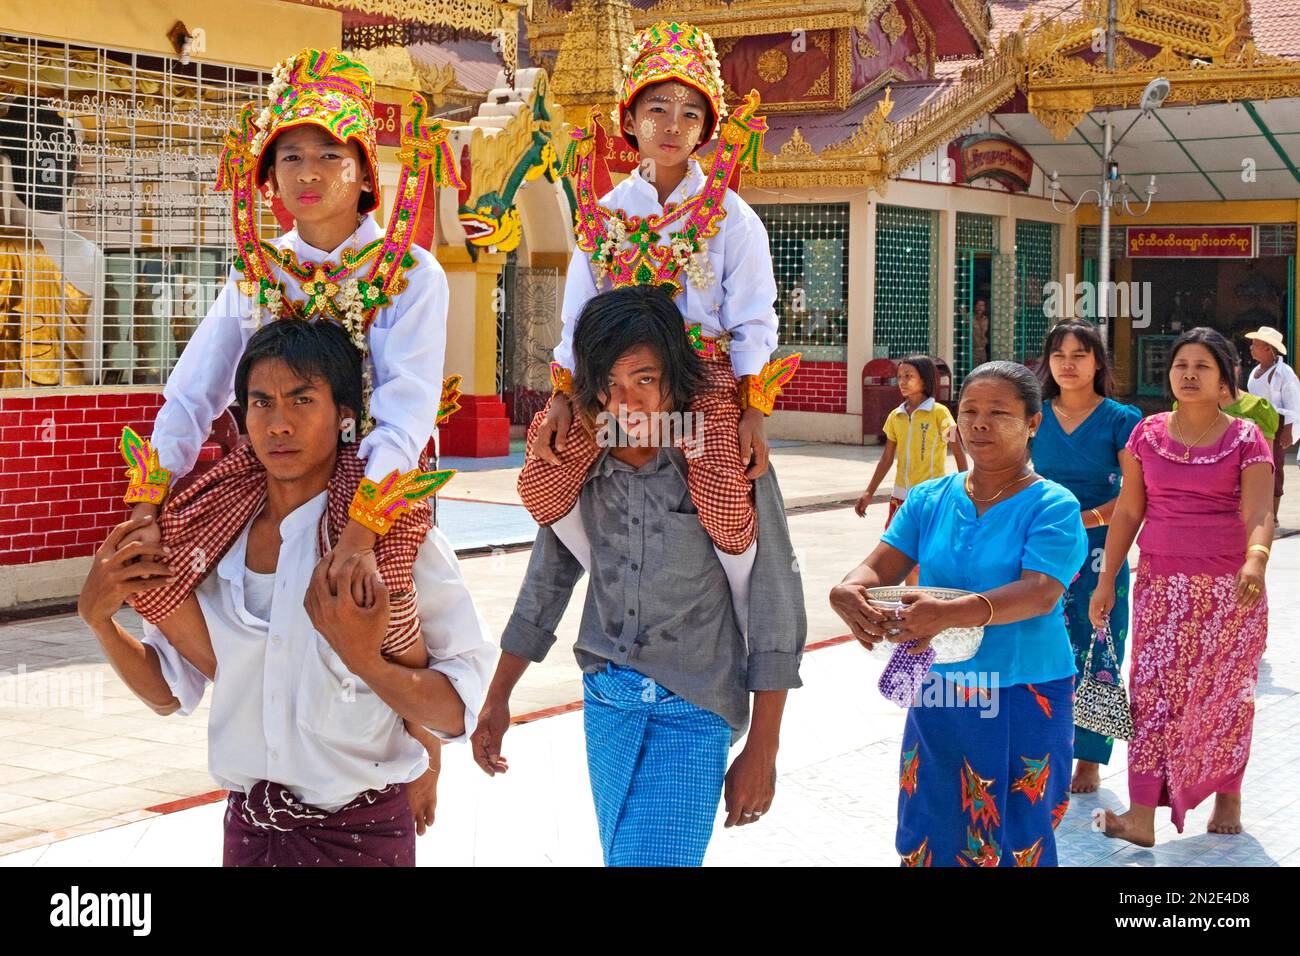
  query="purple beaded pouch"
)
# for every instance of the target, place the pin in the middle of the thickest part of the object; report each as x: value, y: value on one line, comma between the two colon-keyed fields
x: 904, y: 674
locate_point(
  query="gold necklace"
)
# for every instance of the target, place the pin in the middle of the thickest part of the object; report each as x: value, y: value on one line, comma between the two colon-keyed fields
x: 1060, y: 411
x: 970, y: 490
x: 1187, y: 449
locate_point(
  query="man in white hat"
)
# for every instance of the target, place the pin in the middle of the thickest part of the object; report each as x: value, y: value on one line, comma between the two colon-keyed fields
x: 1276, y: 381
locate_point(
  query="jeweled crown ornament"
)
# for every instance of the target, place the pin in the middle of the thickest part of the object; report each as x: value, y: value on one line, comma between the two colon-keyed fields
x: 674, y: 51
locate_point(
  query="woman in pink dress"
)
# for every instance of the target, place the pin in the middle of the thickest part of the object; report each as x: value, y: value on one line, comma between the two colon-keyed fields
x: 1199, y: 484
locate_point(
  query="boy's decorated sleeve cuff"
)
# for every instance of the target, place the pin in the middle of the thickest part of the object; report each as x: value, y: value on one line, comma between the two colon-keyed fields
x: 147, y: 480
x: 760, y: 391
x: 449, y: 403
x: 561, y: 379
x: 378, y: 506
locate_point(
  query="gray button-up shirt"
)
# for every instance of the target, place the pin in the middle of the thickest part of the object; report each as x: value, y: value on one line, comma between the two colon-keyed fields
x: 658, y: 600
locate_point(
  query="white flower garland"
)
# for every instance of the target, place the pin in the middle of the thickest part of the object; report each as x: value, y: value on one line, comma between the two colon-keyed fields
x: 696, y: 265
x: 353, y: 306
x: 691, y: 257
x: 279, y: 83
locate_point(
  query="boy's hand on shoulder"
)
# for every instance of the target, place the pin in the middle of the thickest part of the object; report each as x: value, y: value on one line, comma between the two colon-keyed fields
x: 356, y: 541
x: 553, y: 433
x: 119, y: 570
x: 753, y: 443
x: 148, y: 535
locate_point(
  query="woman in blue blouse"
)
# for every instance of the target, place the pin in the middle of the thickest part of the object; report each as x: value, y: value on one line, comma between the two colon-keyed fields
x: 1078, y: 446
x: 987, y: 745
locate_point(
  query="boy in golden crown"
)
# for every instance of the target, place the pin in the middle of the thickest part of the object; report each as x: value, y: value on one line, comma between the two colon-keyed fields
x: 314, y: 146
x: 671, y: 224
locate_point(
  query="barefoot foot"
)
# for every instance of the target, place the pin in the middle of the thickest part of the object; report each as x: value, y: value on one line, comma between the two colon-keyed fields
x: 1087, y: 777
x: 1226, y: 817
x: 1124, y: 827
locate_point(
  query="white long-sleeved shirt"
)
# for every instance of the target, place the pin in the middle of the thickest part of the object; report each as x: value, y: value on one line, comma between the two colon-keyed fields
x: 741, y: 298
x: 284, y: 707
x: 1282, y: 389
x: 408, y: 341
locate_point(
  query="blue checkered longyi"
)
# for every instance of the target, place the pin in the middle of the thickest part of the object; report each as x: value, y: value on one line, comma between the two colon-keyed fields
x: 657, y: 765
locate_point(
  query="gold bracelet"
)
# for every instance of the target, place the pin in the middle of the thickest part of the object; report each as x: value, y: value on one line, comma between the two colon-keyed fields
x: 1101, y: 522
x: 1263, y: 549
x: 990, y: 604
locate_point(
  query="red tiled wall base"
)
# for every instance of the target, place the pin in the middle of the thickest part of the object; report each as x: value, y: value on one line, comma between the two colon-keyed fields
x: 61, y: 474
x: 816, y: 387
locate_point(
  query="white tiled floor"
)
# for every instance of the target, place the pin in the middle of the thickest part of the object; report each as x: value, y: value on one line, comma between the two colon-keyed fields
x: 835, y: 799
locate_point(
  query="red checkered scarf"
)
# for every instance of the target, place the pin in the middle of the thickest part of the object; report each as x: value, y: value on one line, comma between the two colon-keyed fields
x: 201, y: 523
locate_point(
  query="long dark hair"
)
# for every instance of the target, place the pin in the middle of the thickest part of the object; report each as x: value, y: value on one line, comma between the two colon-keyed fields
x: 925, y: 368
x: 622, y: 319
x: 1017, y: 376
x: 1219, y: 347
x: 1103, y: 382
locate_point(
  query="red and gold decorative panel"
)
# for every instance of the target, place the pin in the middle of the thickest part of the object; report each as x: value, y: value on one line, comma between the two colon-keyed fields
x: 876, y: 62
x: 792, y: 72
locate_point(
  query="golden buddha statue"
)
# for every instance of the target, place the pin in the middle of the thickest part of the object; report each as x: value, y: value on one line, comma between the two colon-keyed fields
x: 51, y: 278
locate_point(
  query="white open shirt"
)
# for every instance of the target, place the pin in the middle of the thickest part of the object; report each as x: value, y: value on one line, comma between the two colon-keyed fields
x: 1281, y: 388
x: 285, y: 708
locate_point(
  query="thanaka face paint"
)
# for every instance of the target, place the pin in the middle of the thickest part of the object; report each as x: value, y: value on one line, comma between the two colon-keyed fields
x: 993, y: 425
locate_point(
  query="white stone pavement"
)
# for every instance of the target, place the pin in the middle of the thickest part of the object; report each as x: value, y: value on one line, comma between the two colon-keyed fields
x: 836, y: 794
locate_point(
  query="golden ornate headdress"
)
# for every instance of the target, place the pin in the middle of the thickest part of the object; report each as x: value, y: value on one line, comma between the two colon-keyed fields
x: 674, y: 51
x: 324, y: 88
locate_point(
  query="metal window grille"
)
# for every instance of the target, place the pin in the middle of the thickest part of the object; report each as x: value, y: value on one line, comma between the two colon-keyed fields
x: 810, y: 260
x: 975, y: 234
x: 905, y: 280
x: 1277, y: 239
x: 121, y: 244
x: 1035, y: 268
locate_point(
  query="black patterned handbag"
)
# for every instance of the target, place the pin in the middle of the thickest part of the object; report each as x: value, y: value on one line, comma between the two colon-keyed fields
x: 1102, y: 706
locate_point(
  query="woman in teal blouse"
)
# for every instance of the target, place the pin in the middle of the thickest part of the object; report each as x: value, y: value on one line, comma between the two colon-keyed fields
x: 987, y: 745
x: 1078, y: 445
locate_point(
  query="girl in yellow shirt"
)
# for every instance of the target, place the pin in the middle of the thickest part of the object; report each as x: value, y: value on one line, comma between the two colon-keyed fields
x: 923, y: 428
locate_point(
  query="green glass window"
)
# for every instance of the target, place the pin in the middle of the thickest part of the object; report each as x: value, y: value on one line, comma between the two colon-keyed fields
x: 1035, y: 268
x: 810, y: 260
x: 905, y: 281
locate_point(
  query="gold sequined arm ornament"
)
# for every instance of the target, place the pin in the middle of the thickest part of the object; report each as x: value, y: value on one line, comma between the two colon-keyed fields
x: 147, y: 481
x: 450, y: 402
x: 561, y: 379
x: 582, y: 140
x: 378, y: 506
x: 760, y: 391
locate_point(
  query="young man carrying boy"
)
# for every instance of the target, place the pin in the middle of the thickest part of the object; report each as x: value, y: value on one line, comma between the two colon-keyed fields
x: 306, y: 726
x: 667, y: 671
